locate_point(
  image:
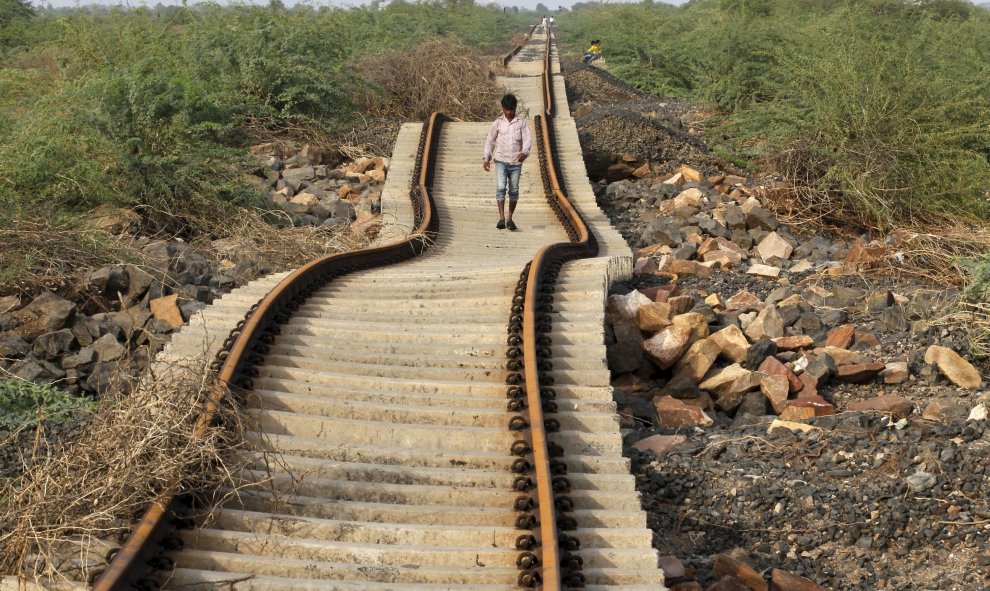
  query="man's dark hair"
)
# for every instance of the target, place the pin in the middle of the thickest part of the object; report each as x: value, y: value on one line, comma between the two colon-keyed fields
x: 509, y: 102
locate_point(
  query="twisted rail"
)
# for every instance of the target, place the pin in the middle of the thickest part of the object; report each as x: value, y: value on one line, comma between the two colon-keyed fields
x: 250, y: 339
x: 554, y: 568
x: 515, y: 50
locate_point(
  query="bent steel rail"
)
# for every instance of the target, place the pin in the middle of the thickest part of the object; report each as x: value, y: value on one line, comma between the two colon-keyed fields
x: 252, y: 336
x: 555, y: 568
x: 515, y: 50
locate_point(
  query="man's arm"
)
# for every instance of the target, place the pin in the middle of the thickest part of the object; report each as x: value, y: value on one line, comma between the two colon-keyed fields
x: 527, y: 142
x: 490, y: 145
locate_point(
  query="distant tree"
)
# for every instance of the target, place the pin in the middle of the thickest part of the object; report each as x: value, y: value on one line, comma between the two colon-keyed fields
x: 14, y: 9
x: 542, y: 9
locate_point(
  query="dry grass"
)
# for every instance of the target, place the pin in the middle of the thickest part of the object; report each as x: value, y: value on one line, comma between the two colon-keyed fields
x: 58, y: 519
x: 455, y: 81
x: 929, y: 250
x: 283, y: 248
x: 41, y: 251
x: 975, y: 316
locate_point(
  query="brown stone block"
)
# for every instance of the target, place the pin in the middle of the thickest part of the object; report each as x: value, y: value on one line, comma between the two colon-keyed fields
x: 859, y: 372
x: 774, y: 367
x: 674, y: 413
x: 727, y: 566
x: 841, y: 337
x: 797, y: 413
x: 781, y: 580
x: 897, y: 406
x: 794, y: 343
x: 820, y: 406
x: 660, y: 445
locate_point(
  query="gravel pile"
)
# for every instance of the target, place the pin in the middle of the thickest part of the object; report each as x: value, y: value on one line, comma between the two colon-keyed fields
x: 852, y: 501
x: 614, y: 119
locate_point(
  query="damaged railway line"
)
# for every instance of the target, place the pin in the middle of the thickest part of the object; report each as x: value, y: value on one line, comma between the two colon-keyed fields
x: 439, y: 404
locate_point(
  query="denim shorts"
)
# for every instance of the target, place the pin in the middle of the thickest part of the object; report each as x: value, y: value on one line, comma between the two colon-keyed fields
x: 507, y: 177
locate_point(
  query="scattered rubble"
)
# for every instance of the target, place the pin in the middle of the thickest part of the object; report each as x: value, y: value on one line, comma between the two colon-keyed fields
x: 313, y: 193
x: 824, y: 428
x: 780, y: 413
x: 113, y: 321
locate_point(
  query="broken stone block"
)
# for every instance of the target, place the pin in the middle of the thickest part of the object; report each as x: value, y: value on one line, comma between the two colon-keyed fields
x: 791, y: 426
x: 697, y: 360
x: 774, y: 247
x: 659, y: 444
x: 681, y: 304
x: 645, y: 266
x: 689, y: 174
x: 46, y: 313
x: 625, y: 306
x: 781, y: 580
x: 674, y: 413
x: 679, y: 267
x: 653, y: 317
x: 726, y: 565
x: 896, y: 406
x: 863, y: 341
x: 735, y: 393
x: 666, y: 347
x: 626, y: 353
x: 659, y: 293
x: 819, y: 405
x: 773, y: 366
x: 797, y: 413
x: 896, y: 372
x: 165, y: 308
x: 809, y: 385
x: 794, y: 343
x: 732, y: 342
x: 841, y: 337
x: 764, y: 271
x: 719, y: 381
x: 694, y: 321
x: 859, y: 372
x: 959, y: 371
x: 743, y: 300
x: 776, y: 389
x: 767, y: 325
x: 945, y: 410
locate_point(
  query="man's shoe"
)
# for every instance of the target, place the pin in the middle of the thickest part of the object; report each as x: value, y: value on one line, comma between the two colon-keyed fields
x: 510, y: 225
x: 501, y: 225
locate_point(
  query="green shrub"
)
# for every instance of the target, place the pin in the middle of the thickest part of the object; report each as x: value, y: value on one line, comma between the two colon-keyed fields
x: 24, y: 403
x: 978, y: 287
x: 882, y: 107
x: 154, y: 109
x: 892, y: 118
x: 11, y: 10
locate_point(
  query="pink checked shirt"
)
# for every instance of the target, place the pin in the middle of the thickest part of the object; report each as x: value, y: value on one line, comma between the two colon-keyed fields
x: 508, y: 139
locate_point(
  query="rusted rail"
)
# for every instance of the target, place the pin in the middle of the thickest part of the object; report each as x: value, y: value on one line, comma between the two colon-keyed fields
x: 130, y: 566
x: 558, y: 564
x: 515, y: 50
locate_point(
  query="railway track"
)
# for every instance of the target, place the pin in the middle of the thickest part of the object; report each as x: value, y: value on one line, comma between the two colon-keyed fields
x: 434, y: 413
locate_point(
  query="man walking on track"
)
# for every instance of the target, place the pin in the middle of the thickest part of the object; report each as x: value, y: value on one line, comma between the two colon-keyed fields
x: 509, y: 142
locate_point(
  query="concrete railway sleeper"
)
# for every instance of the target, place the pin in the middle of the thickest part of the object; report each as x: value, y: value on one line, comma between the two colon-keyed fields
x: 394, y: 470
